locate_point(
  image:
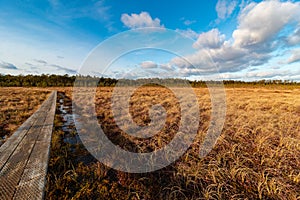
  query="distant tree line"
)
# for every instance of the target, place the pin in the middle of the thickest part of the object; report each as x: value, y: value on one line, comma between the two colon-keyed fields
x: 246, y: 83
x: 36, y: 80
x: 66, y: 80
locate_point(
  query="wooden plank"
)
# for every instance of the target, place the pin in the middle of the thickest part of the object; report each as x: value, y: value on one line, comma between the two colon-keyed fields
x: 11, y: 144
x: 22, y: 153
x: 33, y: 181
x: 12, y: 171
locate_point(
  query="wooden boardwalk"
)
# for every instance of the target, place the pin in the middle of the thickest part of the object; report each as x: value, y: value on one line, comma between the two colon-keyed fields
x: 24, y: 156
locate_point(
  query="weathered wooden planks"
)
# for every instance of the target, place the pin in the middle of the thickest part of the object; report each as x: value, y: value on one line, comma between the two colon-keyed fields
x: 24, y: 156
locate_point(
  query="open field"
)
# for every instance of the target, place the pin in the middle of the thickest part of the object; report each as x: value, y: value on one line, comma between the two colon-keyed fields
x: 17, y: 104
x: 257, y: 155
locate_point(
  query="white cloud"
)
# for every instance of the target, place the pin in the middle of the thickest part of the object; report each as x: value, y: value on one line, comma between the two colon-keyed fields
x: 267, y: 74
x: 225, y: 8
x: 295, y: 57
x: 256, y: 75
x: 148, y: 65
x: 252, y: 43
x: 189, y: 22
x: 260, y: 22
x: 188, y: 33
x: 211, y: 39
x: 141, y: 20
x: 167, y: 67
x: 200, y: 58
x: 294, y: 38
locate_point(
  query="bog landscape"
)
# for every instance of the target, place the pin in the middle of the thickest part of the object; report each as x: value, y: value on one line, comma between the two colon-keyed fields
x: 255, y: 157
x: 150, y: 100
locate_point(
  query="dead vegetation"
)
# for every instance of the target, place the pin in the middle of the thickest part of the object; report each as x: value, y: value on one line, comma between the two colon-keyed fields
x: 257, y: 155
x: 16, y: 105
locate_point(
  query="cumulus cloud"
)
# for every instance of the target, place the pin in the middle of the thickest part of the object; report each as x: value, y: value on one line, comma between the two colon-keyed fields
x: 251, y: 44
x: 200, y: 58
x: 148, y: 65
x: 5, y: 65
x: 295, y: 56
x: 225, y: 8
x: 260, y: 22
x: 211, y: 39
x: 141, y: 20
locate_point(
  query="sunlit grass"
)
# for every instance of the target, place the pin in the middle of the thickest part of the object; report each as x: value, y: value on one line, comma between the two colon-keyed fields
x: 257, y: 155
x: 16, y: 105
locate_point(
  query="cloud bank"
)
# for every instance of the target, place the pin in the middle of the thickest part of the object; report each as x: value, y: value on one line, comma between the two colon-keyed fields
x: 252, y: 43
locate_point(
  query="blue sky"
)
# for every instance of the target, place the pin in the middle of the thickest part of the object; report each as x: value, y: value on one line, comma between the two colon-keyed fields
x: 243, y: 40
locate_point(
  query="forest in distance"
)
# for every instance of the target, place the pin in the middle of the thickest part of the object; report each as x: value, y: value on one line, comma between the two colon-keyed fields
x: 67, y: 81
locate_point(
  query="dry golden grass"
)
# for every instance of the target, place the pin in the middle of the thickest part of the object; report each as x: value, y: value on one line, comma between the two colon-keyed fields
x: 257, y: 155
x: 16, y: 105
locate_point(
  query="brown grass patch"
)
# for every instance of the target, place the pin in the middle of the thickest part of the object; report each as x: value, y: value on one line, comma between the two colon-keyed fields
x: 16, y: 105
x: 256, y: 157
